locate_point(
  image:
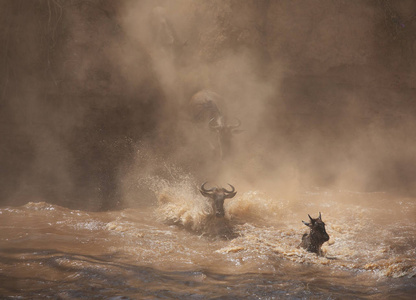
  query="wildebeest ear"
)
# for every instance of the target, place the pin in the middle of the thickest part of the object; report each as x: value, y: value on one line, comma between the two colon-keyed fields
x: 307, y: 224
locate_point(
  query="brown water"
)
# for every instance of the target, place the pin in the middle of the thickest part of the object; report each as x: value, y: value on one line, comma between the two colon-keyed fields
x: 170, y: 250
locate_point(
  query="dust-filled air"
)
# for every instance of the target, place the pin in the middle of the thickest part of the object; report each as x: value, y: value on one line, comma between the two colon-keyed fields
x: 222, y: 149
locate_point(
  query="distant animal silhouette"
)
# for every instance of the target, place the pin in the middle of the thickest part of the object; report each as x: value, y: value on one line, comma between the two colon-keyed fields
x: 313, y: 240
x: 205, y: 106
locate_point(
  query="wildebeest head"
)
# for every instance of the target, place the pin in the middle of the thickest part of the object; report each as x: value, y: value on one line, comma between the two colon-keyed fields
x: 207, y: 107
x: 225, y: 133
x: 217, y: 197
x: 317, y: 236
x: 204, y: 106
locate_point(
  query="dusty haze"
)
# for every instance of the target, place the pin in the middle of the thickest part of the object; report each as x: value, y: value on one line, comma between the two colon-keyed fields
x: 94, y: 97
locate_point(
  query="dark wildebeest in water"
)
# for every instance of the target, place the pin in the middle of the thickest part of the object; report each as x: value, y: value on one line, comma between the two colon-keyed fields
x: 313, y: 240
x: 216, y: 223
x: 206, y: 107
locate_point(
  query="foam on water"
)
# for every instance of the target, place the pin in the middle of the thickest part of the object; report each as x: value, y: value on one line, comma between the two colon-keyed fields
x: 61, y: 249
x: 268, y: 229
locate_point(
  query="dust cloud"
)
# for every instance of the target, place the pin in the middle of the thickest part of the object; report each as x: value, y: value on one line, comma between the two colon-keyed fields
x: 95, y: 98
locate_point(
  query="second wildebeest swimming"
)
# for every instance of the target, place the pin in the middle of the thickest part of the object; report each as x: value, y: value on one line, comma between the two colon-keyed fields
x: 216, y: 196
x: 206, y: 107
x: 313, y: 240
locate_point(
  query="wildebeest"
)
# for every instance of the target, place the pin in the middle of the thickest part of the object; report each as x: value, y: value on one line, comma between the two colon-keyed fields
x: 217, y: 196
x: 225, y: 134
x: 206, y: 107
x: 313, y: 240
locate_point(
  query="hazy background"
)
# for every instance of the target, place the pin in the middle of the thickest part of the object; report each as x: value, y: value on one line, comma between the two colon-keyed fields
x: 94, y: 96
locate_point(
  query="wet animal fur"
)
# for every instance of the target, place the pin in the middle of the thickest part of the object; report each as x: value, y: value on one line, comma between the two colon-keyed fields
x: 313, y: 240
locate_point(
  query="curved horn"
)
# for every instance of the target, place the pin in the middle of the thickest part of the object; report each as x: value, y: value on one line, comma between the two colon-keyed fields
x: 310, y: 217
x: 238, y: 124
x: 230, y: 191
x: 320, y: 216
x: 230, y: 194
x: 204, y: 189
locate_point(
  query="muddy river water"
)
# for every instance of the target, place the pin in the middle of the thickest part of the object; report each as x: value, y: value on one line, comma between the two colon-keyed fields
x: 172, y: 249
